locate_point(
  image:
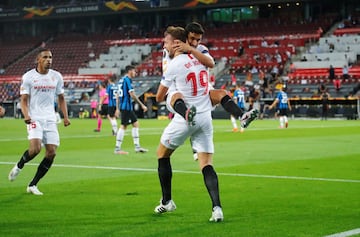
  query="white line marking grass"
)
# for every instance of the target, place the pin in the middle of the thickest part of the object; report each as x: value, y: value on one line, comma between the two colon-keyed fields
x: 345, y: 233
x: 198, y: 172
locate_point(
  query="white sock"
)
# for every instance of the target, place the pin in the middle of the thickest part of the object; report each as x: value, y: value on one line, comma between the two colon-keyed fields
x: 113, y: 124
x: 119, y: 138
x: 285, y: 119
x: 233, y: 121
x: 135, y: 135
x: 281, y: 121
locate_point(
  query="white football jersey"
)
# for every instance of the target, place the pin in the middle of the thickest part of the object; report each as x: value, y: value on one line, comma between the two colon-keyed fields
x: 42, y: 90
x: 167, y: 59
x: 204, y: 50
x: 188, y: 76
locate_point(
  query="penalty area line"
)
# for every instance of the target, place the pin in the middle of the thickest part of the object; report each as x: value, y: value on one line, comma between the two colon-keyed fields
x: 345, y: 233
x: 198, y: 172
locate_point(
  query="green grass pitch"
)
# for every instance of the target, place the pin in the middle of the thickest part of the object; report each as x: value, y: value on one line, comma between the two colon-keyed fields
x: 301, y: 181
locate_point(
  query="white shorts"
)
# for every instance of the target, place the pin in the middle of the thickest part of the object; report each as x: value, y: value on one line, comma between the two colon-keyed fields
x: 201, y: 133
x: 46, y: 131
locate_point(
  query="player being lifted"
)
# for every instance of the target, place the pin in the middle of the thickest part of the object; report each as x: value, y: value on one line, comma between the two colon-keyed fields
x: 189, y: 77
x: 194, y: 33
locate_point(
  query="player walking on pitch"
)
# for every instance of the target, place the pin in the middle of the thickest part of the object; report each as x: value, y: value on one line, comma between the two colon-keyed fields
x: 283, y: 105
x: 38, y: 90
x: 124, y: 106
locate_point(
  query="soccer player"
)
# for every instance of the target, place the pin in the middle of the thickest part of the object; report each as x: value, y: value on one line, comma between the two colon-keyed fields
x: 111, y: 92
x: 189, y: 77
x: 192, y: 45
x: 194, y: 33
x: 124, y: 104
x: 283, y: 106
x: 39, y: 87
x: 239, y: 98
x: 103, y: 105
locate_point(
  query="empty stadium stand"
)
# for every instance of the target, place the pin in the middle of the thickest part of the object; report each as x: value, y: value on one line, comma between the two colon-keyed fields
x: 86, y: 60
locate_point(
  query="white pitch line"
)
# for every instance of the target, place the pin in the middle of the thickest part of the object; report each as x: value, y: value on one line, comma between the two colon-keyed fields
x: 345, y: 233
x: 198, y: 172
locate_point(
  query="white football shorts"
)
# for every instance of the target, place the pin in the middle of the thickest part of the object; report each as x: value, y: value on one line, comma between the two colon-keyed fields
x: 201, y: 133
x: 46, y: 131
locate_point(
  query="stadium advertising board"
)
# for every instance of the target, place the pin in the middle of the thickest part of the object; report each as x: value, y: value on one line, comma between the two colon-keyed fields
x: 112, y: 7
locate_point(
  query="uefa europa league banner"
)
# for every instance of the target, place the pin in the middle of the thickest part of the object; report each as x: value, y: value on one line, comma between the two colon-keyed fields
x: 109, y: 7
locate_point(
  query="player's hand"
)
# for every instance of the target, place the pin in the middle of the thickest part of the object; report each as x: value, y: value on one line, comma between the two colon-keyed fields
x: 144, y: 108
x: 181, y: 46
x: 27, y: 120
x: 66, y: 122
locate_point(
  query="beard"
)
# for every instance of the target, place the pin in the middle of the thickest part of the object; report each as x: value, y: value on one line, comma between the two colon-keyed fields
x: 47, y: 66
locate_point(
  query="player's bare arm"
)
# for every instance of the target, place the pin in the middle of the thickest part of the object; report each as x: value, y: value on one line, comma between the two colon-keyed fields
x: 161, y: 93
x: 117, y: 111
x: 185, y: 47
x: 25, y: 108
x: 274, y: 103
x: 136, y: 99
x: 63, y: 107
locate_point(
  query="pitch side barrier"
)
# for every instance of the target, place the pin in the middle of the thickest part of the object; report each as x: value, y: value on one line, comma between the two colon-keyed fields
x: 347, y: 108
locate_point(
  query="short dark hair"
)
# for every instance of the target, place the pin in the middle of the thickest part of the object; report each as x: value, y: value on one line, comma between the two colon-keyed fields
x: 194, y: 27
x: 129, y: 68
x: 40, y: 50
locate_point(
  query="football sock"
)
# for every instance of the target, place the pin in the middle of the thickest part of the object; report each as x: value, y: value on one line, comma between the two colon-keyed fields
x: 135, y: 135
x: 165, y: 175
x: 113, y: 125
x: 24, y: 159
x: 119, y: 138
x: 285, y: 119
x: 233, y: 121
x: 211, y: 183
x: 180, y: 107
x: 281, y: 119
x: 43, y: 168
x: 99, y: 123
x: 230, y: 106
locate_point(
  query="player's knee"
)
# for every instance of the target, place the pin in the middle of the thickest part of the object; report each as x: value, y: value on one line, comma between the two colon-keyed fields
x: 175, y: 97
x: 217, y: 95
x: 163, y: 151
x: 33, y: 151
x: 205, y: 159
x: 50, y: 154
